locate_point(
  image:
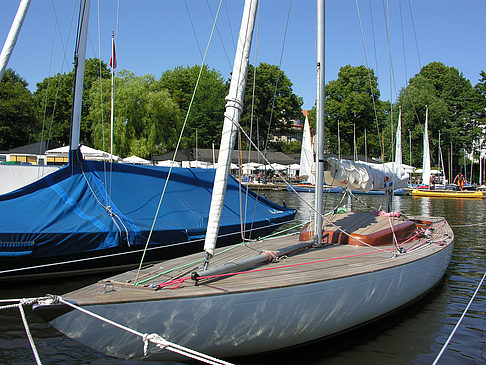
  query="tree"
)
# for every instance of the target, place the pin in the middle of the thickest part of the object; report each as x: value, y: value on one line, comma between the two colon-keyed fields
x: 17, y: 116
x: 453, y: 109
x: 353, y: 103
x: 54, y: 102
x: 274, y: 106
x: 146, y: 119
x: 207, y: 111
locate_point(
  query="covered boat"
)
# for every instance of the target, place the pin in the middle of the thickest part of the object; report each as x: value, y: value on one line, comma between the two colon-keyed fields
x: 83, y: 218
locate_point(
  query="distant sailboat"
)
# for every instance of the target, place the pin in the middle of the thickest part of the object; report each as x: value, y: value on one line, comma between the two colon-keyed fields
x: 426, y: 152
x: 307, y: 164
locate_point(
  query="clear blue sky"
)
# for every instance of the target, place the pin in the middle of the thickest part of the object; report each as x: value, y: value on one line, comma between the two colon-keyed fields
x: 156, y: 35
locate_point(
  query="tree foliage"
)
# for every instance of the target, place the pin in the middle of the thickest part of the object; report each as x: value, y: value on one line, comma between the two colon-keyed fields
x: 354, y: 104
x: 146, y: 119
x: 274, y: 104
x: 17, y: 113
x: 207, y: 110
x: 54, y: 103
x: 453, y: 105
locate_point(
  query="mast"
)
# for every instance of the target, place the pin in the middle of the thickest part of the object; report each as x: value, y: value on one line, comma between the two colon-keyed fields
x: 320, y: 120
x: 79, y: 60
x: 112, y: 115
x: 234, y: 107
x: 13, y: 35
x: 426, y: 155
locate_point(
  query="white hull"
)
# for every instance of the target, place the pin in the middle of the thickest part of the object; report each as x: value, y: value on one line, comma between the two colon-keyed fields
x: 237, y: 324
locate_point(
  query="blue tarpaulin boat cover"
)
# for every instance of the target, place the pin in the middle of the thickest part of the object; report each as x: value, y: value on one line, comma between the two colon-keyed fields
x: 91, y: 205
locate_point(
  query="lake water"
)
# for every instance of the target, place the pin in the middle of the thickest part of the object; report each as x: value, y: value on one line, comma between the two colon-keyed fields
x: 414, y: 335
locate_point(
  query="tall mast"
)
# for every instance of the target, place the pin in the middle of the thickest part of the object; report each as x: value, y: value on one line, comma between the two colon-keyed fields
x: 320, y: 119
x: 13, y: 35
x: 79, y: 60
x: 113, y: 66
x: 234, y: 106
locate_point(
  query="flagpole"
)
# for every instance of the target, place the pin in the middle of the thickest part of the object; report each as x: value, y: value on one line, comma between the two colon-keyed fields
x: 113, y: 66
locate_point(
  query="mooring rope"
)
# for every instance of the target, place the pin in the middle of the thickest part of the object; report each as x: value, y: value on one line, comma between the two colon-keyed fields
x: 159, y: 341
x: 459, y: 321
x: 147, y: 338
x: 20, y: 306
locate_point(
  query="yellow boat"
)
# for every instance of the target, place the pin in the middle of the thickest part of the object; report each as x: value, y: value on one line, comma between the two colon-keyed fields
x: 447, y: 193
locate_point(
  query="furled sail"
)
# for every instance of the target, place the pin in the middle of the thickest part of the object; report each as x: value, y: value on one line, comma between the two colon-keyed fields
x: 365, y: 176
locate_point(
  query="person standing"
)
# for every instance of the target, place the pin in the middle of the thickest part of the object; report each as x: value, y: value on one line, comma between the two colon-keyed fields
x: 460, y: 180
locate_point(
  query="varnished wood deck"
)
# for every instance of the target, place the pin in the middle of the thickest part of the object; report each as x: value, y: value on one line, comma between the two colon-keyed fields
x: 314, y: 264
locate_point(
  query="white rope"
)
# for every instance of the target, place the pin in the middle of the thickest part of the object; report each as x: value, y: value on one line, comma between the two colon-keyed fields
x: 27, y: 330
x: 154, y: 338
x: 19, y: 305
x: 458, y: 322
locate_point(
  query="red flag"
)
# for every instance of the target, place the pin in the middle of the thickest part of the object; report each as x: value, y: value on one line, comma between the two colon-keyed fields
x: 113, y: 54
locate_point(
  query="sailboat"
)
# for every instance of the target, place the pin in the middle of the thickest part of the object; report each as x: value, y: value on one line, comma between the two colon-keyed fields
x: 337, y: 273
x: 425, y: 190
x: 79, y: 220
x: 372, y: 173
x: 307, y: 164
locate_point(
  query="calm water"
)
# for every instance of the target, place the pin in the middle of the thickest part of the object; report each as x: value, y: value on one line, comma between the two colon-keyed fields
x: 415, y: 335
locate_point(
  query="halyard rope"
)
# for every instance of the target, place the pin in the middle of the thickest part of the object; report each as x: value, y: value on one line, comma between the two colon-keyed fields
x: 20, y: 306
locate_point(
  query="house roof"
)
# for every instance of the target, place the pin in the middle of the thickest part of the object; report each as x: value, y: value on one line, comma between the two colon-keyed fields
x: 37, y: 148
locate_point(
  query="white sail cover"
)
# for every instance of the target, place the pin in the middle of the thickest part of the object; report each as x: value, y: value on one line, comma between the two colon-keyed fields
x: 234, y: 106
x: 365, y: 176
x: 426, y: 155
x: 307, y: 155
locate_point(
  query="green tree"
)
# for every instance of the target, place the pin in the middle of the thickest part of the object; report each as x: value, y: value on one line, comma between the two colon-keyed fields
x: 207, y: 111
x: 54, y: 100
x: 453, y: 109
x: 17, y: 113
x: 146, y: 119
x: 353, y: 103
x: 274, y: 106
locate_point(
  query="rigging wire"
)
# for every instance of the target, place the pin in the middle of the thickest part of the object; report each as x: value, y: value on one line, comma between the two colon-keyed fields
x: 252, y: 115
x: 101, y: 99
x: 48, y: 79
x: 279, y: 73
x: 373, y: 33
x: 229, y: 25
x: 369, y: 77
x: 415, y: 34
x: 193, y: 29
x: 179, y: 141
x: 219, y: 34
x: 59, y: 77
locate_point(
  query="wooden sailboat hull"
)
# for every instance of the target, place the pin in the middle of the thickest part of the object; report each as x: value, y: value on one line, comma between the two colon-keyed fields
x: 244, y: 321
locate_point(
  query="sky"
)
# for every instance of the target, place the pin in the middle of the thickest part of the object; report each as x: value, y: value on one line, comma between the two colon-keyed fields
x: 157, y: 35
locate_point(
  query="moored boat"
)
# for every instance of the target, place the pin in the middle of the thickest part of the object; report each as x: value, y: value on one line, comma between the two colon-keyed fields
x: 338, y: 272
x: 448, y: 193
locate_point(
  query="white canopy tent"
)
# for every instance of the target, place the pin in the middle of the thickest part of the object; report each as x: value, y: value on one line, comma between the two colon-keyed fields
x: 87, y: 152
x: 136, y: 160
x: 168, y: 163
